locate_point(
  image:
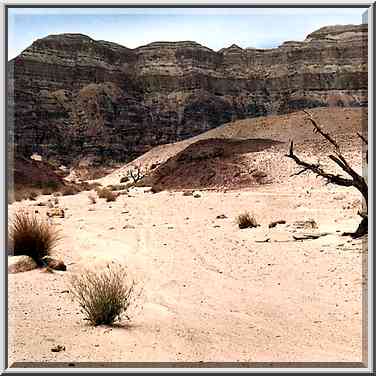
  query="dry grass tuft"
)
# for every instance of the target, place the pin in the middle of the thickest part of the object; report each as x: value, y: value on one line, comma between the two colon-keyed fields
x: 246, y: 220
x: 69, y: 190
x: 103, y: 296
x: 29, y: 235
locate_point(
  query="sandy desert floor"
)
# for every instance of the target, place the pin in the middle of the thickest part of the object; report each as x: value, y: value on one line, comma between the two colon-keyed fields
x: 208, y: 291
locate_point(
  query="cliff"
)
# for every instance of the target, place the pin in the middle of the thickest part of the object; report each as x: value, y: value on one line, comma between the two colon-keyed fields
x: 72, y: 97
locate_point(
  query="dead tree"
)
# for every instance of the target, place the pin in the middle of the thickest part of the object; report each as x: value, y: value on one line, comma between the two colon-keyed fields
x: 136, y: 175
x: 354, y: 179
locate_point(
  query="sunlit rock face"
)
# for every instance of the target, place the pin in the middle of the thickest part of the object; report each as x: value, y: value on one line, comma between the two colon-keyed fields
x: 71, y: 96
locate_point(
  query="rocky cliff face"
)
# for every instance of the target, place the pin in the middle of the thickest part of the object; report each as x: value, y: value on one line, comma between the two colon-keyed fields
x: 72, y: 97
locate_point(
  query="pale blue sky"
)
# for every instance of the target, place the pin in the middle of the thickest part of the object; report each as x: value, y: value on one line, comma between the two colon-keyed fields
x: 214, y: 28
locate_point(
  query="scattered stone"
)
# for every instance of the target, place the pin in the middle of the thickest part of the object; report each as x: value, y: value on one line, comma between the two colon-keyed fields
x: 58, y: 348
x: 142, y: 189
x: 56, y: 212
x: 196, y: 195
x: 264, y: 239
x: 221, y: 216
x: 306, y: 224
x: 187, y: 193
x: 305, y: 236
x: 54, y: 264
x: 278, y: 222
x: 18, y: 264
x: 128, y: 227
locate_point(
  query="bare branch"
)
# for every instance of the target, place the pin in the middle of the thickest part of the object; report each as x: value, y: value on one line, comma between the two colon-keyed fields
x: 319, y: 130
x: 315, y: 168
x: 362, y: 138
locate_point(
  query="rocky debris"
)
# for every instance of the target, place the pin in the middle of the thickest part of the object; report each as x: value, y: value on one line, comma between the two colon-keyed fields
x: 141, y: 190
x: 306, y: 224
x: 74, y: 96
x: 188, y: 193
x: 221, y: 216
x: 58, y: 348
x: 305, y: 235
x: 53, y: 263
x: 17, y: 264
x: 262, y: 239
x: 56, y: 212
x: 275, y: 223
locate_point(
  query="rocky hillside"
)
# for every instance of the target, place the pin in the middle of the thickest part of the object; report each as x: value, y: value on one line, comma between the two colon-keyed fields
x: 72, y: 97
x: 251, y: 152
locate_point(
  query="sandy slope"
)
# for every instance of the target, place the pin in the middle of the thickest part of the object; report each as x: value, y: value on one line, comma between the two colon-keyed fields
x: 208, y: 291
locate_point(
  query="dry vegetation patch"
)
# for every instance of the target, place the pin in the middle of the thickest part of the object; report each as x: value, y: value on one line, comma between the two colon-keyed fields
x: 103, y: 296
x: 31, y: 236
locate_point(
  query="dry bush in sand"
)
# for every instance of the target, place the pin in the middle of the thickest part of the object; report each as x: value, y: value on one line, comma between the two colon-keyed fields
x: 107, y: 194
x: 69, y: 190
x: 136, y: 174
x: 29, y: 235
x: 117, y: 187
x: 246, y: 220
x: 103, y: 296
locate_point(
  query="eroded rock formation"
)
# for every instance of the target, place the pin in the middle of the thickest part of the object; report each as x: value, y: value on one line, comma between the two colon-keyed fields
x: 71, y: 97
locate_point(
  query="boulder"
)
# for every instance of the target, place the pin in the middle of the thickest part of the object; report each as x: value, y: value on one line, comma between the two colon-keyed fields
x: 54, y: 264
x: 17, y: 264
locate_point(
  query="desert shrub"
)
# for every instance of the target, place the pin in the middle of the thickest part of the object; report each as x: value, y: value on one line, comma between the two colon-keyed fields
x: 103, y: 296
x: 117, y: 187
x: 69, y: 190
x: 32, y: 195
x: 47, y: 191
x: 18, y: 195
x: 28, y: 235
x: 85, y: 186
x: 246, y: 220
x: 107, y: 194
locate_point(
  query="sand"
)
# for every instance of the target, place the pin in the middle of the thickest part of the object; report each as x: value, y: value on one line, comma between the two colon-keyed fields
x: 207, y: 291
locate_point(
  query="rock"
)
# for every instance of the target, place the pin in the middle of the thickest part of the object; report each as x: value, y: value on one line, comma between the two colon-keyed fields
x: 141, y: 189
x: 54, y: 264
x: 58, y: 348
x: 305, y: 236
x: 187, y: 193
x: 128, y: 227
x: 275, y: 223
x: 221, y: 216
x: 306, y: 224
x: 56, y: 212
x: 89, y: 93
x: 17, y: 264
x: 262, y: 239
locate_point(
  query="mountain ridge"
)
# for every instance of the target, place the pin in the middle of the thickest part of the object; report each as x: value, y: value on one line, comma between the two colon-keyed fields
x: 71, y: 97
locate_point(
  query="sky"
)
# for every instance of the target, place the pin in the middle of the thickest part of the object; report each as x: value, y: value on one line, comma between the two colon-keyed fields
x: 215, y: 28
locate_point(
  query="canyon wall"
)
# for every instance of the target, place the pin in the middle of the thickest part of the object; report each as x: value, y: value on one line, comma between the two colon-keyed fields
x: 71, y: 97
